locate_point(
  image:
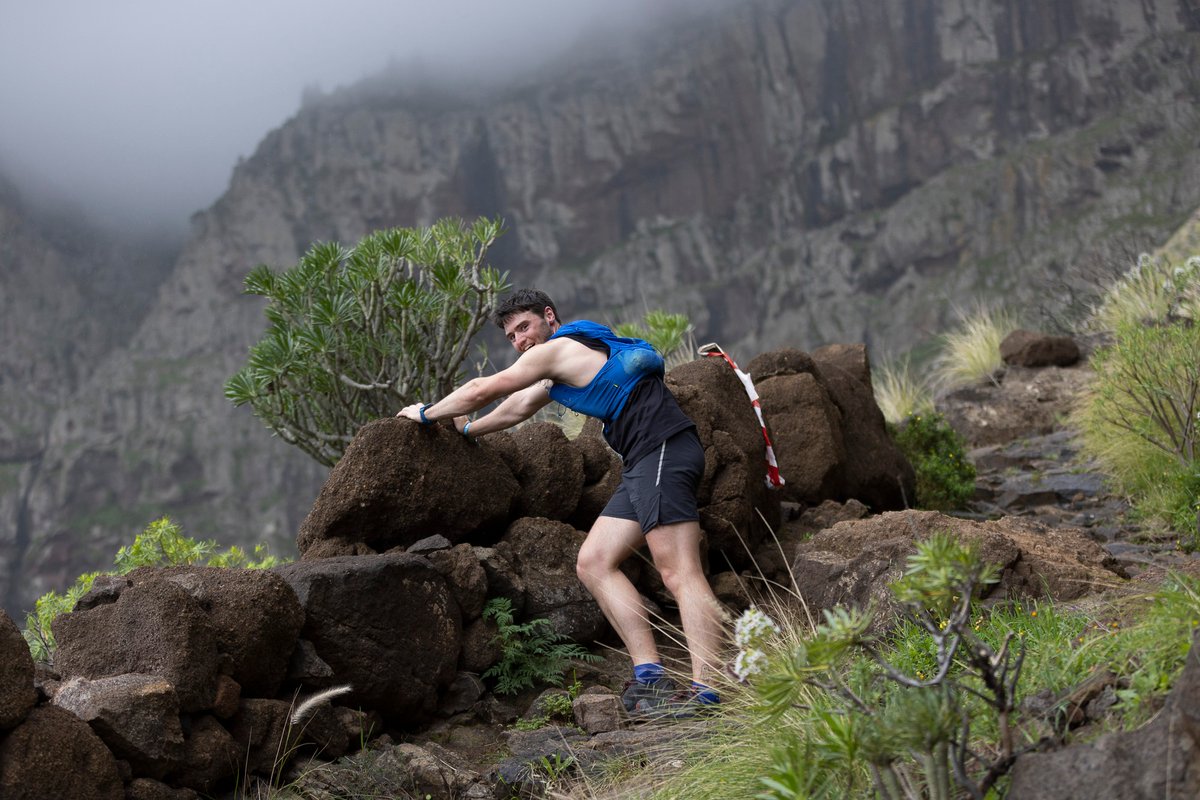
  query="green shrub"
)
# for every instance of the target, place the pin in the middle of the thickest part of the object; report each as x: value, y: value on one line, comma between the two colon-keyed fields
x: 822, y: 714
x: 358, y: 334
x: 1141, y: 419
x: 531, y: 653
x: 161, y: 544
x: 945, y: 478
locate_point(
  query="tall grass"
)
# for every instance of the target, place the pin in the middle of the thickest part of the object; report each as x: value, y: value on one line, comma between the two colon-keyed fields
x: 971, y: 352
x: 1151, y: 291
x: 901, y: 392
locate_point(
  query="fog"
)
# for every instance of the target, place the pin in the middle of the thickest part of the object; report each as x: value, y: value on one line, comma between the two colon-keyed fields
x: 134, y: 112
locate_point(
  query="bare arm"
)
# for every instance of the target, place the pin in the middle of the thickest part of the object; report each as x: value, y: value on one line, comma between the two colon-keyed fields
x: 517, y: 407
x: 534, y: 366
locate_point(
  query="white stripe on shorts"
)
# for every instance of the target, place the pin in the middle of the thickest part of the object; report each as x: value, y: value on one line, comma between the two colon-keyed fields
x: 661, y: 455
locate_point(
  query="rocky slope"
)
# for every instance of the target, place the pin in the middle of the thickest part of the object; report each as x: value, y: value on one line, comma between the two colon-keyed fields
x: 786, y: 171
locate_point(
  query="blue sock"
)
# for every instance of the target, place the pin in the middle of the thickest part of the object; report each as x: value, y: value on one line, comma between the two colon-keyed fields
x: 705, y: 695
x: 648, y: 673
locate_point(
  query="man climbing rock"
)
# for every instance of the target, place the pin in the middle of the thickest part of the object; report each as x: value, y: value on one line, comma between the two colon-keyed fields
x: 587, y: 368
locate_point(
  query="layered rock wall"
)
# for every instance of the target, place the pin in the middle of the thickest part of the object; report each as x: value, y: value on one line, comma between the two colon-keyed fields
x: 785, y: 171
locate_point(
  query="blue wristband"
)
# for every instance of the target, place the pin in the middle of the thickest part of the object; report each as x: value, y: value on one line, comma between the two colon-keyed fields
x: 424, y: 420
x: 466, y: 427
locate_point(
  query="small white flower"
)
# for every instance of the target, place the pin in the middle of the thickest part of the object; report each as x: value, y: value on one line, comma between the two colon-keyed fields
x: 749, y: 662
x: 751, y: 627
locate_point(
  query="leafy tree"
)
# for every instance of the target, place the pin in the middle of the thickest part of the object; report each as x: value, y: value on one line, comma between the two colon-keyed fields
x: 358, y: 334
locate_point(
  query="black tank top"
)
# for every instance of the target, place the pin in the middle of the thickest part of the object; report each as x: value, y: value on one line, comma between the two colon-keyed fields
x: 651, y: 415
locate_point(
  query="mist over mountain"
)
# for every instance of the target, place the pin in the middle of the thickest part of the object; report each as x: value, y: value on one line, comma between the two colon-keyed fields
x: 786, y: 172
x: 136, y: 111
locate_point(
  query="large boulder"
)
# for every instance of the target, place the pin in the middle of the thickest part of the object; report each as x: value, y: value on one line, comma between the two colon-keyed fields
x: 805, y: 425
x: 853, y: 562
x: 733, y: 495
x: 547, y: 466
x: 1023, y: 348
x: 150, y: 789
x: 387, y: 625
x: 17, y: 695
x: 543, y: 553
x: 154, y: 627
x: 54, y: 755
x: 1160, y: 759
x: 256, y: 615
x: 272, y: 733
x: 875, y: 472
x: 465, y: 576
x: 601, y: 475
x: 210, y: 755
x: 399, y: 482
x: 136, y: 716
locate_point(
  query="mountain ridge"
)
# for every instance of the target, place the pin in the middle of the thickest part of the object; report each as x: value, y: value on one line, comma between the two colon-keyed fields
x: 790, y: 172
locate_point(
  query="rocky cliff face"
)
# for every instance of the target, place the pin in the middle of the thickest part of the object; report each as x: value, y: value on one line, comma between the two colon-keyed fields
x: 787, y: 172
x: 69, y: 295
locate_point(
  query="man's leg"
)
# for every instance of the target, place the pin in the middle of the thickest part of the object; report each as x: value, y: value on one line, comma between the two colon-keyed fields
x: 675, y: 549
x: 611, y: 541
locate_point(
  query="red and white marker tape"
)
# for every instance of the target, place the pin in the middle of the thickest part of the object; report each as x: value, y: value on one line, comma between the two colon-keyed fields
x: 774, y: 479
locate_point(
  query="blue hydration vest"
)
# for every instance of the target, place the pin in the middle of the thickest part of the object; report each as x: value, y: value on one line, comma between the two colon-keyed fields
x: 629, y: 361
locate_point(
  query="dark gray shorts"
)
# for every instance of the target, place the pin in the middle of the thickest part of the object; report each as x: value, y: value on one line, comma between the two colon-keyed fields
x: 660, y: 489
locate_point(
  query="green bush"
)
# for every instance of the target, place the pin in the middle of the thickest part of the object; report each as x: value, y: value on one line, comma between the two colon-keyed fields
x: 358, y: 334
x: 945, y: 478
x: 161, y: 544
x: 1141, y: 420
x: 531, y: 652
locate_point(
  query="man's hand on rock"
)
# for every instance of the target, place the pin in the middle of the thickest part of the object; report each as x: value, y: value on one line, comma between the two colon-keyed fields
x: 413, y: 412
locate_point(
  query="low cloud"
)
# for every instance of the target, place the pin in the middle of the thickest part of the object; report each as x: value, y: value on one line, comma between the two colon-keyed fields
x: 136, y: 111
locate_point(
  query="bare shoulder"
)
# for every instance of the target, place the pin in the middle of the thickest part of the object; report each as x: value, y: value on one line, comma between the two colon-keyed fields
x: 571, y: 362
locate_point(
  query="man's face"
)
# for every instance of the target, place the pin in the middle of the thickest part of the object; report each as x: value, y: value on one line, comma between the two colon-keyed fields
x: 526, y: 328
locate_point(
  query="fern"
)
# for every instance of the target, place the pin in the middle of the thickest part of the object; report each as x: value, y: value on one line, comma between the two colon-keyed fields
x: 531, y: 652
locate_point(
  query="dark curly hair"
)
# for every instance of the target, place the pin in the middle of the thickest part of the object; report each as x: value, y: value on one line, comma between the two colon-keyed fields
x: 533, y: 300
